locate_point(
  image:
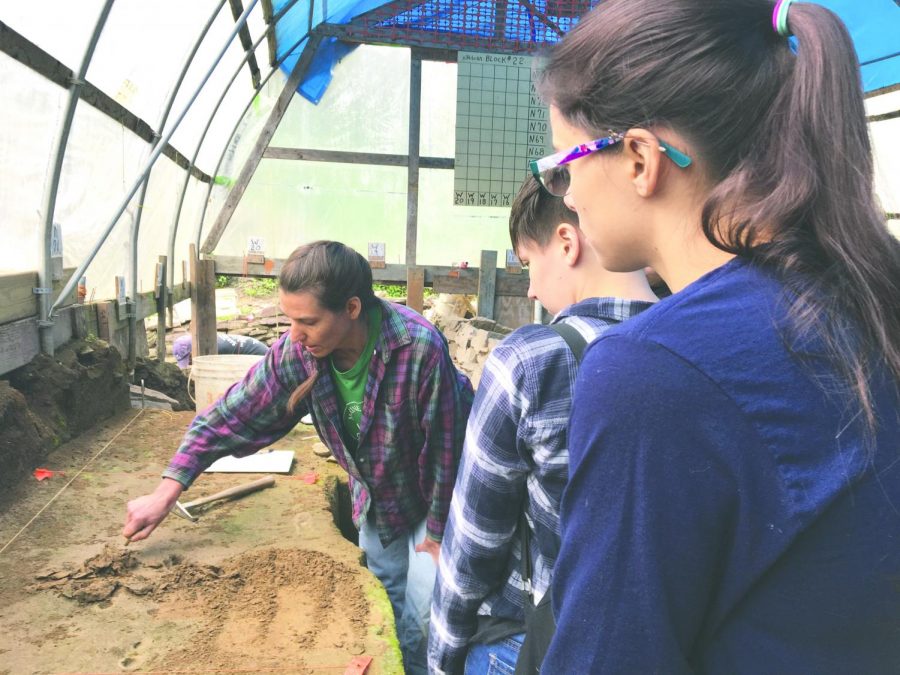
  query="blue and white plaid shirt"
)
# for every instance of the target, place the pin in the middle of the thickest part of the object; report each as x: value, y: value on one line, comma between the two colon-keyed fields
x: 515, y: 452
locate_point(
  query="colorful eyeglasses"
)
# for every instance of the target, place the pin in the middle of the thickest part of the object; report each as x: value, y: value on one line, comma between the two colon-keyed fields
x: 553, y: 174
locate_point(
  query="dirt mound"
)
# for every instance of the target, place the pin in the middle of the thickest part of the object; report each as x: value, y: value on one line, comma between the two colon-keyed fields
x: 272, y: 603
x: 268, y: 606
x: 165, y: 377
x: 83, y: 383
x: 53, y: 399
x: 22, y: 438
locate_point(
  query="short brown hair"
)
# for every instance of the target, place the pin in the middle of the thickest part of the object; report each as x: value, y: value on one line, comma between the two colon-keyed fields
x: 535, y: 213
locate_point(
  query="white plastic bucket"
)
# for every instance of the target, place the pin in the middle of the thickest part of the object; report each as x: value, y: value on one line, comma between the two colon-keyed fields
x: 213, y: 374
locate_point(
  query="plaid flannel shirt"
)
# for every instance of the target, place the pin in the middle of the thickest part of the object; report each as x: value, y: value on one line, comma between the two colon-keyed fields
x: 411, y: 429
x: 515, y: 453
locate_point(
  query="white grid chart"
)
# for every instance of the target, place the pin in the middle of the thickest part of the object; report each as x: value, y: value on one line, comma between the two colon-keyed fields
x: 500, y: 125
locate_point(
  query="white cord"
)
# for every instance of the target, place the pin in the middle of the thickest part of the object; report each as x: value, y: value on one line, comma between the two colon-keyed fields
x: 71, y: 480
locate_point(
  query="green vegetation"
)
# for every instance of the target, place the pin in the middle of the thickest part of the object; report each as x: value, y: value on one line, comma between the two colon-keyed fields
x: 397, y: 290
x: 260, y: 288
x: 390, y: 290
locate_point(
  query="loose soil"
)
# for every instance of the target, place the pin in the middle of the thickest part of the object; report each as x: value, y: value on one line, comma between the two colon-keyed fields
x: 263, y: 583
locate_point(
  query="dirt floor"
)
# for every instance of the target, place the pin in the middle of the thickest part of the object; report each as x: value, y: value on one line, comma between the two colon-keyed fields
x: 263, y: 583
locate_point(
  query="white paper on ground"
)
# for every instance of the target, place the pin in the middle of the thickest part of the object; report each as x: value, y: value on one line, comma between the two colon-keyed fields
x: 275, y: 461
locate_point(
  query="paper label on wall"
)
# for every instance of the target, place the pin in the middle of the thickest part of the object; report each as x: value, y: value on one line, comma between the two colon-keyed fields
x: 376, y: 254
x: 513, y: 264
x: 256, y: 245
x: 56, y: 243
x: 501, y: 124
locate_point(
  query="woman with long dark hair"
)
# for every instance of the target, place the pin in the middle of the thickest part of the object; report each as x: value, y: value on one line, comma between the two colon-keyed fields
x: 734, y: 492
x: 385, y: 398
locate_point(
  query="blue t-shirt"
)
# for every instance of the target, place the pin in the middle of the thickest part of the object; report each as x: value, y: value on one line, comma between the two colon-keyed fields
x: 723, y: 513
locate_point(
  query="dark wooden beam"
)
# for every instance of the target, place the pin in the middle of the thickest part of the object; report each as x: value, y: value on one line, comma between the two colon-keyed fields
x: 431, y: 54
x: 278, y: 111
x: 501, y: 7
x: 883, y: 117
x: 412, y: 182
x: 487, y: 284
x: 883, y: 90
x: 203, y: 305
x: 270, y: 36
x: 161, y: 305
x: 415, y: 288
x: 342, y: 157
x: 237, y: 9
x: 28, y: 54
x: 423, y: 38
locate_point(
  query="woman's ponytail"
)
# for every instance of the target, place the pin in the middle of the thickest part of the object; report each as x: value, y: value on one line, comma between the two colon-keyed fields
x: 831, y: 244
x: 301, y: 392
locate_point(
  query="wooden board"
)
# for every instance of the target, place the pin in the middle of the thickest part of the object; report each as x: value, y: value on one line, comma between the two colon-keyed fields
x: 487, y: 284
x: 513, y: 312
x: 415, y: 288
x: 203, y: 306
x: 20, y: 342
x: 17, y: 297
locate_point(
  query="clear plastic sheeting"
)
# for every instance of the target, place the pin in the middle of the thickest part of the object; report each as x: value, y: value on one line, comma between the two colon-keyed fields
x: 290, y: 202
x: 188, y: 133
x: 31, y: 114
x: 102, y: 159
x: 885, y: 135
x: 235, y: 156
x: 347, y: 118
x: 438, y: 129
x: 62, y: 29
x: 142, y: 50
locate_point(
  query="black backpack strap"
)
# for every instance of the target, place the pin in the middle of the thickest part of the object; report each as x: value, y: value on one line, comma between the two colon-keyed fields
x: 539, y: 621
x: 573, y: 338
x: 577, y: 344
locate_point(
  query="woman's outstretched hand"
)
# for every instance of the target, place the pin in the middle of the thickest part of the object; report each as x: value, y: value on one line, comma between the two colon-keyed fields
x: 145, y: 513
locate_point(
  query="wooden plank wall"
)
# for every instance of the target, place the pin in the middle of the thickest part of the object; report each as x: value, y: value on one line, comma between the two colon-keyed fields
x: 17, y: 297
x: 19, y: 336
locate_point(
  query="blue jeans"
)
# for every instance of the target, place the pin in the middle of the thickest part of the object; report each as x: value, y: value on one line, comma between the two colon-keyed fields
x: 497, y: 658
x: 408, y: 578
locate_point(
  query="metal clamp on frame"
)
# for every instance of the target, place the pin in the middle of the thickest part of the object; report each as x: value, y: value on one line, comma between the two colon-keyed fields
x: 124, y: 309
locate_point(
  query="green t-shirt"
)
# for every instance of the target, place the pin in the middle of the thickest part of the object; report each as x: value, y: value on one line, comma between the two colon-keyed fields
x: 351, y: 384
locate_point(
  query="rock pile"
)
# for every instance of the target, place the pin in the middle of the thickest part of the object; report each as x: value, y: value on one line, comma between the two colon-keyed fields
x: 471, y: 340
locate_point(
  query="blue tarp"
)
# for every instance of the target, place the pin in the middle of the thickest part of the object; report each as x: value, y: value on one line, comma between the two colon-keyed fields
x: 874, y: 25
